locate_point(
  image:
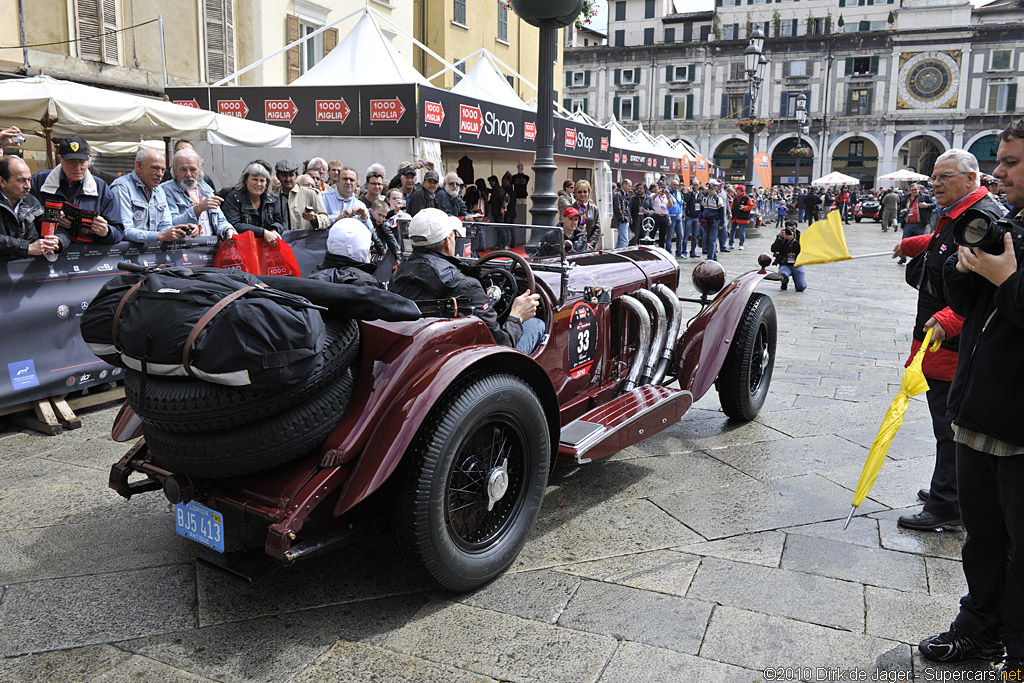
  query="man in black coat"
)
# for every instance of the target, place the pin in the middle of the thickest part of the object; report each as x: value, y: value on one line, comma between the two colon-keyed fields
x: 348, y: 248
x: 21, y: 214
x: 425, y: 196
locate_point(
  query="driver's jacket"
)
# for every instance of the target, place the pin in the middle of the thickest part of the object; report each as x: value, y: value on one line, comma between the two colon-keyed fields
x: 430, y: 275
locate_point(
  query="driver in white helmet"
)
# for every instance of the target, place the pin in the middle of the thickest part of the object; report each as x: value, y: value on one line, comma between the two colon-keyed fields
x: 433, y: 273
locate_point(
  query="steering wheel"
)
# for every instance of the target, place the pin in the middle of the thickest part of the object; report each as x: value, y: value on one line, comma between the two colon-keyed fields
x: 500, y: 280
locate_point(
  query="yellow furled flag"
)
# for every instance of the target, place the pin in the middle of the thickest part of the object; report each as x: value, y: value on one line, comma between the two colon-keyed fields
x: 823, y: 242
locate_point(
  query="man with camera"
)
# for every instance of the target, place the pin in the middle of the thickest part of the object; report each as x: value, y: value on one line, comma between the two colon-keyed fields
x: 984, y: 283
x: 957, y: 189
x: 786, y: 248
x: 145, y: 212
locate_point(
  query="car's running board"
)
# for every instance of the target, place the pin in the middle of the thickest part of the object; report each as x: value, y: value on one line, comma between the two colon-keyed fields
x: 622, y: 422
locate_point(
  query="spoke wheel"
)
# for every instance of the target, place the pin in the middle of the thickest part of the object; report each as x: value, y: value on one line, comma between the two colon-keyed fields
x: 470, y: 486
x: 747, y: 372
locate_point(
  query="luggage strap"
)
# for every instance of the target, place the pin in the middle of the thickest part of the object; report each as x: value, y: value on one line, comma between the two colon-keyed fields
x: 205, y: 320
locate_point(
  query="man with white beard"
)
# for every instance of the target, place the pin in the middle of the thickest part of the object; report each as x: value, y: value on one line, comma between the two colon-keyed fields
x: 449, y: 201
x: 191, y: 200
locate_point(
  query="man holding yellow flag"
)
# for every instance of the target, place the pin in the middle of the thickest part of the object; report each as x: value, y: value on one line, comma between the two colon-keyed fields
x: 957, y: 187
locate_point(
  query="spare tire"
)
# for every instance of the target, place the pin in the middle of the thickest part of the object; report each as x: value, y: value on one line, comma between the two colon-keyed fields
x: 189, y: 405
x: 256, y: 446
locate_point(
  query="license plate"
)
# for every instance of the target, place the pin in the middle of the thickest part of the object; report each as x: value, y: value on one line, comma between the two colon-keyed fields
x: 200, y: 524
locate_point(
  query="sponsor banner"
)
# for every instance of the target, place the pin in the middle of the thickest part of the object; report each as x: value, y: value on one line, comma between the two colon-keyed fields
x: 452, y: 118
x: 387, y: 110
x: 630, y: 160
x: 763, y: 168
x: 579, y: 140
x: 198, y: 98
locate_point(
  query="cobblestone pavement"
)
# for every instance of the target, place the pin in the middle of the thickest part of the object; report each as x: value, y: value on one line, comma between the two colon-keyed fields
x: 710, y: 552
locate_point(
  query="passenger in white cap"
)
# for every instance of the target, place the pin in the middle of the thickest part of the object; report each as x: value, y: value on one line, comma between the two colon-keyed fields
x: 348, y: 248
x: 432, y: 273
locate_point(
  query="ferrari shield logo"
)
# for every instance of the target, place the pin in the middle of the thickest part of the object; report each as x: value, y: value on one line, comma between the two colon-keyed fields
x: 74, y: 146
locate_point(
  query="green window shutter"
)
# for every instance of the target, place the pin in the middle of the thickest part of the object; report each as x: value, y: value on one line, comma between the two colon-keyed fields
x: 870, y: 97
x: 618, y: 76
x: 568, y: 78
x: 689, y: 107
x: 849, y: 66
x: 668, y: 106
x: 783, y: 104
x: 586, y: 77
x: 796, y: 27
x: 615, y: 107
x: 874, y: 64
x: 567, y: 103
x: 1011, y: 98
x: 636, y: 108
x: 785, y: 69
x: 725, y: 105
x: 691, y: 72
x: 586, y: 105
x: 668, y: 73
x: 842, y: 3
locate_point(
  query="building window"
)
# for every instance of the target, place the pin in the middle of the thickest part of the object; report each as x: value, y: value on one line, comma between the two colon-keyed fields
x: 736, y: 71
x: 649, y: 9
x: 705, y: 33
x: 578, y: 79
x: 736, y: 105
x: 220, y: 39
x: 312, y: 48
x: 503, y: 22
x: 787, y: 103
x: 1002, y: 98
x: 620, y: 11
x: 648, y: 36
x: 511, y: 80
x: 459, y: 16
x: 818, y: 27
x: 678, y: 107
x: 620, y: 38
x: 858, y: 66
x: 859, y: 102
x: 787, y: 29
x: 670, y: 35
x: 96, y: 18
x: 628, y: 77
x: 729, y: 32
x: 796, y: 67
x: 626, y: 112
x: 728, y: 3
x: 688, y: 32
x: 856, y: 148
x: 577, y: 104
x: 460, y: 69
x: 1002, y: 60
x: 678, y: 74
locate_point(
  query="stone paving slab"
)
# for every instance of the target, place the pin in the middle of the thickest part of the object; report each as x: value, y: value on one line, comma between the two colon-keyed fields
x: 946, y: 544
x: 862, y: 531
x: 908, y: 616
x: 945, y: 577
x: 851, y: 562
x: 641, y: 616
x: 99, y: 608
x: 792, y: 457
x: 762, y: 548
x: 78, y: 664
x: 896, y: 486
x: 358, y: 662
x: 662, y: 571
x: 503, y: 646
x: 806, y: 597
x: 136, y: 669
x: 638, y: 663
x: 538, y: 595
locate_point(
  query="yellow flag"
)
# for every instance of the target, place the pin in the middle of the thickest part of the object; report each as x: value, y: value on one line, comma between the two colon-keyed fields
x: 823, y: 242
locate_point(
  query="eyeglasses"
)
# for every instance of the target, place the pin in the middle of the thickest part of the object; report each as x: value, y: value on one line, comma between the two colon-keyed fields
x: 944, y: 177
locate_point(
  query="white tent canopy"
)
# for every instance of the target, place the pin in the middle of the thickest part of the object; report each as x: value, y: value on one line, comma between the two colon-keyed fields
x: 484, y: 82
x: 363, y: 57
x: 833, y: 179
x: 904, y: 175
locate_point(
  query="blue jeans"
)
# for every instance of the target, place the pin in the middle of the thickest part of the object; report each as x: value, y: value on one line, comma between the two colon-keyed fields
x: 624, y: 234
x: 911, y: 229
x: 710, y: 244
x: 797, y: 272
x: 723, y: 235
x: 802, y: 216
x: 533, y: 332
x: 740, y: 228
x: 676, y: 223
x: 691, y: 233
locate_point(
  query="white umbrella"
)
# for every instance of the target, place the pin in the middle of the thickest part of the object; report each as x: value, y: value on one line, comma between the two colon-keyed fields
x: 904, y: 175
x: 833, y: 179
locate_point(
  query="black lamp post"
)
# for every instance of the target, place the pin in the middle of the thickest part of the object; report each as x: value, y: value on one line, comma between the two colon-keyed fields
x: 755, y: 64
x: 801, y: 119
x: 548, y: 16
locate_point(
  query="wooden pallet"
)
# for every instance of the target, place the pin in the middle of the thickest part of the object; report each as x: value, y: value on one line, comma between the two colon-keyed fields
x: 55, y: 414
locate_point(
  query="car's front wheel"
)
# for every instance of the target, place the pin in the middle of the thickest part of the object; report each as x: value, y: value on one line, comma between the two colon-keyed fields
x: 747, y: 372
x: 857, y: 219
x: 470, y: 486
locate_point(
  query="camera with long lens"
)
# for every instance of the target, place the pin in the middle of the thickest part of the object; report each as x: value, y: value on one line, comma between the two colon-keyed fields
x: 978, y: 230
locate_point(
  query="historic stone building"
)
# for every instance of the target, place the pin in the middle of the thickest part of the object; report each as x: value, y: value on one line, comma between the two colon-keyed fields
x: 890, y: 83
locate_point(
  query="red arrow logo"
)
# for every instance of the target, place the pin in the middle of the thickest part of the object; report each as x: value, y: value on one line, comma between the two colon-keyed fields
x: 187, y: 103
x: 332, y: 110
x: 387, y: 110
x: 433, y: 112
x: 471, y: 120
x: 236, y: 108
x: 280, y: 110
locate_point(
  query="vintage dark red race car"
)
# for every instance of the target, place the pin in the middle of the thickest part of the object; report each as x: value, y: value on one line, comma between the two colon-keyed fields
x: 450, y: 437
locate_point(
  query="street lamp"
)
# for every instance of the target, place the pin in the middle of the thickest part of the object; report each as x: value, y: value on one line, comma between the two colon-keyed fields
x: 801, y: 119
x: 755, y: 64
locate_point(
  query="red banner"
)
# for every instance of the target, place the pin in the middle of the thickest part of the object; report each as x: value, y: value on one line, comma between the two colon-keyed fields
x: 702, y: 170
x: 763, y: 168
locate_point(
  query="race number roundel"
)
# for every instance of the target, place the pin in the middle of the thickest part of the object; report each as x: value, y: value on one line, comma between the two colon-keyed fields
x: 582, y: 340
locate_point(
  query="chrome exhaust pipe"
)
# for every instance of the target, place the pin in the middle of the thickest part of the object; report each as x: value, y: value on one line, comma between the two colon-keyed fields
x: 643, y: 337
x: 675, y: 322
x: 657, y: 311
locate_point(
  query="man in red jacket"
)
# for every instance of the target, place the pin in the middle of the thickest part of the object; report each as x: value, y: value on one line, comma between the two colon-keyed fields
x: 957, y: 188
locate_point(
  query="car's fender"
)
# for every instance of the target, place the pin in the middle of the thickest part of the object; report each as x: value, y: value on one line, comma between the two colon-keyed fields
x: 702, y: 348
x: 390, y: 419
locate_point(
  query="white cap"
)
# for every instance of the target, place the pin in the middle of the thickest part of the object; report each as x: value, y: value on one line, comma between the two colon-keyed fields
x: 349, y: 237
x: 430, y: 226
x: 456, y: 224
x: 713, y: 181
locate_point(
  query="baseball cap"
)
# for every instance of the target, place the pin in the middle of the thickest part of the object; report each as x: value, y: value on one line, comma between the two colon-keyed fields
x: 456, y: 225
x: 349, y: 237
x: 73, y: 147
x: 432, y: 175
x: 571, y: 212
x: 662, y: 183
x: 712, y: 182
x: 286, y: 166
x: 429, y: 226
x: 408, y: 170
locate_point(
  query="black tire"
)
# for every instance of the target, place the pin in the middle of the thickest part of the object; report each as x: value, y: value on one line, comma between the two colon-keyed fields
x: 257, y: 446
x: 189, y: 405
x: 482, y: 422
x: 856, y: 219
x: 747, y: 372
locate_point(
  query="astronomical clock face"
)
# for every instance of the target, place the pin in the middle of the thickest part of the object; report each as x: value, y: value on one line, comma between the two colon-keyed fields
x: 928, y: 80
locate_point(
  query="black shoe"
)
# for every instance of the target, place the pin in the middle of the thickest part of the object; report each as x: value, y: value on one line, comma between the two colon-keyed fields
x: 924, y: 494
x: 785, y: 286
x: 926, y: 521
x: 953, y: 646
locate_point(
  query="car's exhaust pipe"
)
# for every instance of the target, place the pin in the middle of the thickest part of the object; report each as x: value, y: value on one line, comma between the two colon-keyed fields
x: 671, y: 303
x: 657, y: 311
x: 643, y: 339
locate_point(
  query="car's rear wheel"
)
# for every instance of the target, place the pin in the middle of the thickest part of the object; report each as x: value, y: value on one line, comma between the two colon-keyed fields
x: 471, y: 484
x: 747, y: 373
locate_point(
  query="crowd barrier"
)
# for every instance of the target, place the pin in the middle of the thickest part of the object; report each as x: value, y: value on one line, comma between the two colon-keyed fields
x: 42, y: 303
